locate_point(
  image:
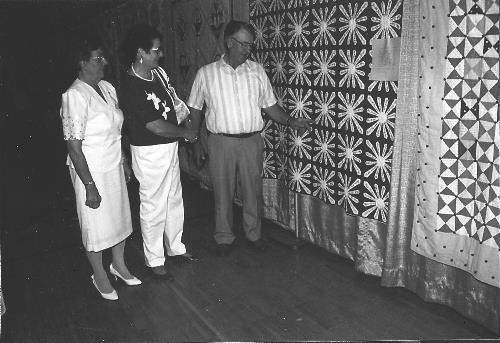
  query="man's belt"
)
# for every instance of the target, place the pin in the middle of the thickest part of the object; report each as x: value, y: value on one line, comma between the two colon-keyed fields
x: 236, y: 135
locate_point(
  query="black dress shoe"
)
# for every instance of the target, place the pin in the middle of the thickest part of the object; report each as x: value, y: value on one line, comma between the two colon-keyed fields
x: 223, y: 249
x: 160, y: 273
x: 259, y: 245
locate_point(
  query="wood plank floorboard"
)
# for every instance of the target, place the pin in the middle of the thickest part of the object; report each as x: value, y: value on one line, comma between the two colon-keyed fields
x: 280, y: 295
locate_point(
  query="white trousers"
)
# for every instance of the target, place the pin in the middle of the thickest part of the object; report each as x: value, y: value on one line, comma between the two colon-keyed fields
x: 162, y: 209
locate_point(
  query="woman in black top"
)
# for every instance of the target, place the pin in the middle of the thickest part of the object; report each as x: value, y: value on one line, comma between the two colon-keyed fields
x: 153, y: 113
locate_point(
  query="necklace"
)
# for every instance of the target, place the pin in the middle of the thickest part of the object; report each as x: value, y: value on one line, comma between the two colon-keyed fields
x: 139, y: 76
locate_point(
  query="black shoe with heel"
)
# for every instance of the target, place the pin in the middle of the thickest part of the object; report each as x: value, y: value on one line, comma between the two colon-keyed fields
x: 160, y: 273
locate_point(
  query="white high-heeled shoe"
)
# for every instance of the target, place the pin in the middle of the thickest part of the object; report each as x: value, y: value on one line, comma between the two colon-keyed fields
x: 108, y: 296
x: 130, y: 282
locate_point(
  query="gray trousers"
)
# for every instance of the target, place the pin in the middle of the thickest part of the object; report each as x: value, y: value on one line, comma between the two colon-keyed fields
x: 232, y: 159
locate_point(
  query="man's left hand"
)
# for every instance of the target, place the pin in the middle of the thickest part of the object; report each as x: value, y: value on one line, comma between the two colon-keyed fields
x: 301, y: 124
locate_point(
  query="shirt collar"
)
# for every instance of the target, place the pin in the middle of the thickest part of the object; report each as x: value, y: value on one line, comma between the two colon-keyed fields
x: 224, y: 64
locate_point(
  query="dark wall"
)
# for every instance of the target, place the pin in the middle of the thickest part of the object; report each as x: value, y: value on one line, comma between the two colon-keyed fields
x: 34, y: 71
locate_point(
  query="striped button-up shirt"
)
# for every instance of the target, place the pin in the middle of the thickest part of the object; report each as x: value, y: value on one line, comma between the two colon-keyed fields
x: 234, y: 98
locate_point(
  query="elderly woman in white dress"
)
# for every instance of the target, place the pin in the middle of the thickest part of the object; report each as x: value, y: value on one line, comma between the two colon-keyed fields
x: 92, y: 123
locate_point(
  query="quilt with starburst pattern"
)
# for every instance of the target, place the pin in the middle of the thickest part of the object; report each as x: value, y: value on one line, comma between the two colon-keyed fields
x: 317, y: 54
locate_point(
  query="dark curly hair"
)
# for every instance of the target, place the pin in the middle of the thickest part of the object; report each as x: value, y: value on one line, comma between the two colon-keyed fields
x: 138, y: 36
x: 82, y: 47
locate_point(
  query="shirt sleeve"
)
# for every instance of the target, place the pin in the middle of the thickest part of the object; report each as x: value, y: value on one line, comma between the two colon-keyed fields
x: 74, y: 113
x: 180, y: 107
x: 267, y: 97
x: 197, y: 95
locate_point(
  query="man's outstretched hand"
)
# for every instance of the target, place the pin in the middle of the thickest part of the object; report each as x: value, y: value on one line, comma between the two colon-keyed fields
x: 301, y: 124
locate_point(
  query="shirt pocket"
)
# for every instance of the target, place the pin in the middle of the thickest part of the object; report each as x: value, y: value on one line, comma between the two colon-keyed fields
x: 253, y: 86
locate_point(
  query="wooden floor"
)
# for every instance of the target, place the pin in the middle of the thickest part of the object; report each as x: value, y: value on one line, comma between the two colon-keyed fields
x: 278, y: 295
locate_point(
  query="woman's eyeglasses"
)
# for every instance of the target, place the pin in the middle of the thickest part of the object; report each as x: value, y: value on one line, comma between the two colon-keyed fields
x: 100, y: 59
x: 158, y: 51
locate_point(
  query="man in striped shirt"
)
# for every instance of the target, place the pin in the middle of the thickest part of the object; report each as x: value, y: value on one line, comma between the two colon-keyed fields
x: 235, y: 90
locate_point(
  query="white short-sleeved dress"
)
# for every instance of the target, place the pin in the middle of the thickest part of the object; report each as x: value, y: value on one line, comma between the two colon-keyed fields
x: 86, y: 116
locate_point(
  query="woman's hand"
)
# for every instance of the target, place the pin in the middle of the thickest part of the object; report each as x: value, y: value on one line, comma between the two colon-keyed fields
x: 93, y: 197
x: 190, y: 134
x: 128, y: 171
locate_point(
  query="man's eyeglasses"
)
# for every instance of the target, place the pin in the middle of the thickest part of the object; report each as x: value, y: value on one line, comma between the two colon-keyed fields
x: 247, y: 45
x: 100, y: 59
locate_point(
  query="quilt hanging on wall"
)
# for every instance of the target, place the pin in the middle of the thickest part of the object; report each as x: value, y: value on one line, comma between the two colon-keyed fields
x: 198, y: 27
x: 317, y: 54
x: 458, y: 176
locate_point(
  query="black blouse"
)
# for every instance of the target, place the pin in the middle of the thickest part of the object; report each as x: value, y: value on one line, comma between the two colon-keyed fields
x: 143, y: 102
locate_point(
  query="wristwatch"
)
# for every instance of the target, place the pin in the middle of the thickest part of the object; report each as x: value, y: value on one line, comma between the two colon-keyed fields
x: 90, y: 183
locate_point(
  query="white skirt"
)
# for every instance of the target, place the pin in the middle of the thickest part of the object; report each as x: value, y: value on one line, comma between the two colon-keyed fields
x: 110, y: 223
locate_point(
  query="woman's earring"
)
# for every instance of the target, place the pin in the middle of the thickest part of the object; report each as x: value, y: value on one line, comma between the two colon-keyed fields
x: 140, y: 61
